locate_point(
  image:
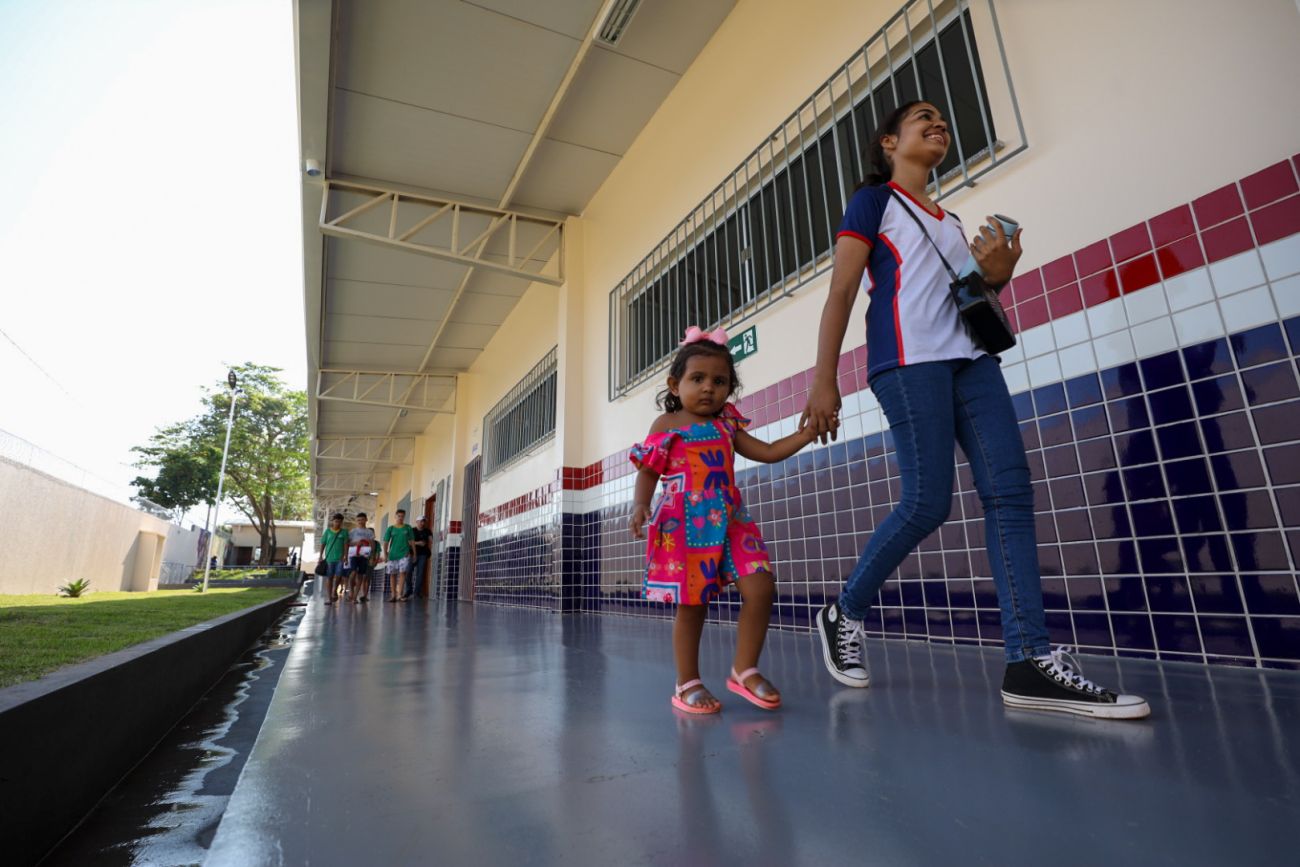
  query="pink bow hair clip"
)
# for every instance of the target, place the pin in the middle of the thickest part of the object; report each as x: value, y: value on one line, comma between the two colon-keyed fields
x: 694, y: 335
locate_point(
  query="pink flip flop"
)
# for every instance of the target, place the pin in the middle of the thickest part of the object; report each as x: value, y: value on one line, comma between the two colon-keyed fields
x: 736, y: 683
x: 686, y: 705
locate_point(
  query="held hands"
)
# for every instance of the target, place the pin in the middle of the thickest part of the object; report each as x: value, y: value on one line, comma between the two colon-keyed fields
x: 636, y: 523
x: 995, y: 253
x: 821, y: 418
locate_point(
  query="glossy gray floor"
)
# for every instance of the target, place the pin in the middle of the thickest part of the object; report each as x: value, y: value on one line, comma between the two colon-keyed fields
x: 432, y: 734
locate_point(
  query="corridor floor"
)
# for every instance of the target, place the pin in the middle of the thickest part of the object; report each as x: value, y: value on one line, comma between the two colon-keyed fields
x: 453, y: 734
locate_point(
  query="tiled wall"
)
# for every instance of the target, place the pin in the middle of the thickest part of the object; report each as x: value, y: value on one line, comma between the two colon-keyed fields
x: 1157, y: 389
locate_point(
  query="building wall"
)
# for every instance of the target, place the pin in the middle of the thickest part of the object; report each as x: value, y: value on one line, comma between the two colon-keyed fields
x: 56, y: 532
x: 1155, y: 375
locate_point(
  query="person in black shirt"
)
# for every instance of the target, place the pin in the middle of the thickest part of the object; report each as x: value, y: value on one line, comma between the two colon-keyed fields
x: 421, y: 547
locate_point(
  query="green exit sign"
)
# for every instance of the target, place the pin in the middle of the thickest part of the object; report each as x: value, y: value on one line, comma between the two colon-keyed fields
x: 744, y: 344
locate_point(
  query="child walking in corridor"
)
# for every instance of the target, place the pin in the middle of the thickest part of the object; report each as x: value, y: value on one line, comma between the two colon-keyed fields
x: 701, y: 538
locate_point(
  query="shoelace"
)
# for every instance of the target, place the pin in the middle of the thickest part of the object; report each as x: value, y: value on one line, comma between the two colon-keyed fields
x: 1062, y: 665
x: 850, y: 641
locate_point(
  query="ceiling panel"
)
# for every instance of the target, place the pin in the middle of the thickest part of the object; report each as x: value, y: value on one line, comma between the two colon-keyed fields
x: 455, y: 57
x: 387, y: 140
x: 371, y: 299
x: 570, y: 17
x: 354, y: 355
x: 385, y: 330
x: 466, y: 336
x: 453, y: 359
x: 605, y: 108
x: 479, y: 309
x: 347, y: 259
x: 563, y: 177
x: 670, y: 33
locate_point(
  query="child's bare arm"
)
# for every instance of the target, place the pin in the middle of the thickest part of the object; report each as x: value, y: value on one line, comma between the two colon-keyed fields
x: 770, y: 453
x: 646, y: 481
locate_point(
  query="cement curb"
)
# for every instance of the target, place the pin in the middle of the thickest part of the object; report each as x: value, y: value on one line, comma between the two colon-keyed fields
x: 66, y: 739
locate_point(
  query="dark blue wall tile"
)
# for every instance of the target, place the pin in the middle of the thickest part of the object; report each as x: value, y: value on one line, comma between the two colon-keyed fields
x: 1126, y: 594
x: 1292, y: 327
x: 1258, y: 345
x: 1188, y: 477
x: 1024, y: 404
x: 1055, y: 430
x: 1049, y: 399
x: 1179, y: 441
x: 1218, y: 395
x: 1160, y: 555
x: 1133, y: 631
x: 1091, y: 421
x: 1283, y: 464
x: 1275, y: 424
x: 1170, y: 405
x: 1128, y: 414
x: 1080, y: 559
x: 1237, y: 470
x: 1216, y: 594
x: 1270, y: 383
x: 1271, y: 594
x: 1152, y: 518
x: 1120, y: 381
x: 1265, y: 552
x: 1208, y: 359
x: 1092, y: 630
x: 1207, y: 553
x: 1277, y: 637
x: 1248, y: 510
x: 1143, y: 483
x: 1138, y: 447
x: 1226, y: 635
x: 1176, y: 633
x: 1083, y: 390
x: 1110, y: 522
x: 1161, y: 371
x: 1197, y: 514
x: 1098, y: 454
x: 1168, y: 594
x: 1227, y: 432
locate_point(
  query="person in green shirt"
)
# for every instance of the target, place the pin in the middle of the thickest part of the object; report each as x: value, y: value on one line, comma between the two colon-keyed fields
x: 333, y: 544
x: 397, y: 551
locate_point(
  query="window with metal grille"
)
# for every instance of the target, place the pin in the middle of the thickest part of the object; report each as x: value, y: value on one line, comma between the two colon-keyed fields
x: 769, y: 226
x: 521, y: 420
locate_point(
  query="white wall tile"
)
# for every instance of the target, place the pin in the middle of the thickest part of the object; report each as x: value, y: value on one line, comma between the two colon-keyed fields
x: 1146, y: 304
x: 1287, y: 295
x: 1198, y: 324
x: 1248, y: 309
x: 1114, y: 349
x: 1154, y: 337
x: 1044, y: 370
x: 1189, y: 289
x: 1017, y: 377
x: 1236, y: 273
x: 1014, y: 354
x: 1281, y: 258
x: 1077, y: 360
x: 1037, y: 340
x: 1072, y: 329
x: 1108, y: 317
x: 873, y: 422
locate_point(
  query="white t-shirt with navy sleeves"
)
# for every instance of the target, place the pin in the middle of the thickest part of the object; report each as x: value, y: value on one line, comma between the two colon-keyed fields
x: 910, y: 315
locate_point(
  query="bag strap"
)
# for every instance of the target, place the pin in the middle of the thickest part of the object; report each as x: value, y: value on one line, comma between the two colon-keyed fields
x: 921, y: 226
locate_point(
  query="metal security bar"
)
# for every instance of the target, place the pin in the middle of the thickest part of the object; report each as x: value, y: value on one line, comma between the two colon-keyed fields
x: 522, y: 419
x: 769, y: 226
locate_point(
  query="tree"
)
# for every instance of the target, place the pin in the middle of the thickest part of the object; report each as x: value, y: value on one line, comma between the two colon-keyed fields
x: 267, y: 468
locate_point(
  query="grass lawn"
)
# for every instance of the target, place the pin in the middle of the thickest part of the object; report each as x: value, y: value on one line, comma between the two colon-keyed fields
x: 39, y: 633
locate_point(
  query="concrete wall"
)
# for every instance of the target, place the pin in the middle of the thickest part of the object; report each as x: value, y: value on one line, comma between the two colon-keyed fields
x: 56, y: 532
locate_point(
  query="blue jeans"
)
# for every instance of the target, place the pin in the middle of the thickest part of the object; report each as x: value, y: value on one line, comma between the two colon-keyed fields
x: 417, y: 574
x: 929, y: 407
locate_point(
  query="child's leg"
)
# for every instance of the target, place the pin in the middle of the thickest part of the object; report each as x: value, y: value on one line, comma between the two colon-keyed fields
x: 757, y: 592
x: 687, y: 629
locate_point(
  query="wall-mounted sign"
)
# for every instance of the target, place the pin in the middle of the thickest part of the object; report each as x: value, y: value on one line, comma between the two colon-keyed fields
x: 744, y: 344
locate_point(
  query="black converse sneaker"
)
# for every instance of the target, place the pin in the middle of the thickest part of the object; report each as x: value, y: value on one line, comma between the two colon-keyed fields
x: 1054, y: 682
x: 842, y: 646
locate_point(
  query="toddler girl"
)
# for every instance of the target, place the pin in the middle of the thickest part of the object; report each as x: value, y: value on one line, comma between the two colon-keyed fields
x: 701, y: 536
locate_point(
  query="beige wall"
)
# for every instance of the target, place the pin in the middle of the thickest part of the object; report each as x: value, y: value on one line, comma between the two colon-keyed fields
x: 1129, y: 108
x: 56, y: 532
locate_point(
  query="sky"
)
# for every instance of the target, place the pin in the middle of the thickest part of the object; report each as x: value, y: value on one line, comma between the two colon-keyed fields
x: 149, y: 215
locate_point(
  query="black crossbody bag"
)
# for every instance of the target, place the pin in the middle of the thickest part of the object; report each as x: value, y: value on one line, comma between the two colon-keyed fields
x: 977, y: 302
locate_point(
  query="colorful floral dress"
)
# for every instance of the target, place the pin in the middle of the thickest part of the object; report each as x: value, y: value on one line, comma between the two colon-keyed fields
x: 701, y: 538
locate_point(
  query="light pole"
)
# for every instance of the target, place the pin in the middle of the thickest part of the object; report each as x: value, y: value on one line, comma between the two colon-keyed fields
x: 221, y: 479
